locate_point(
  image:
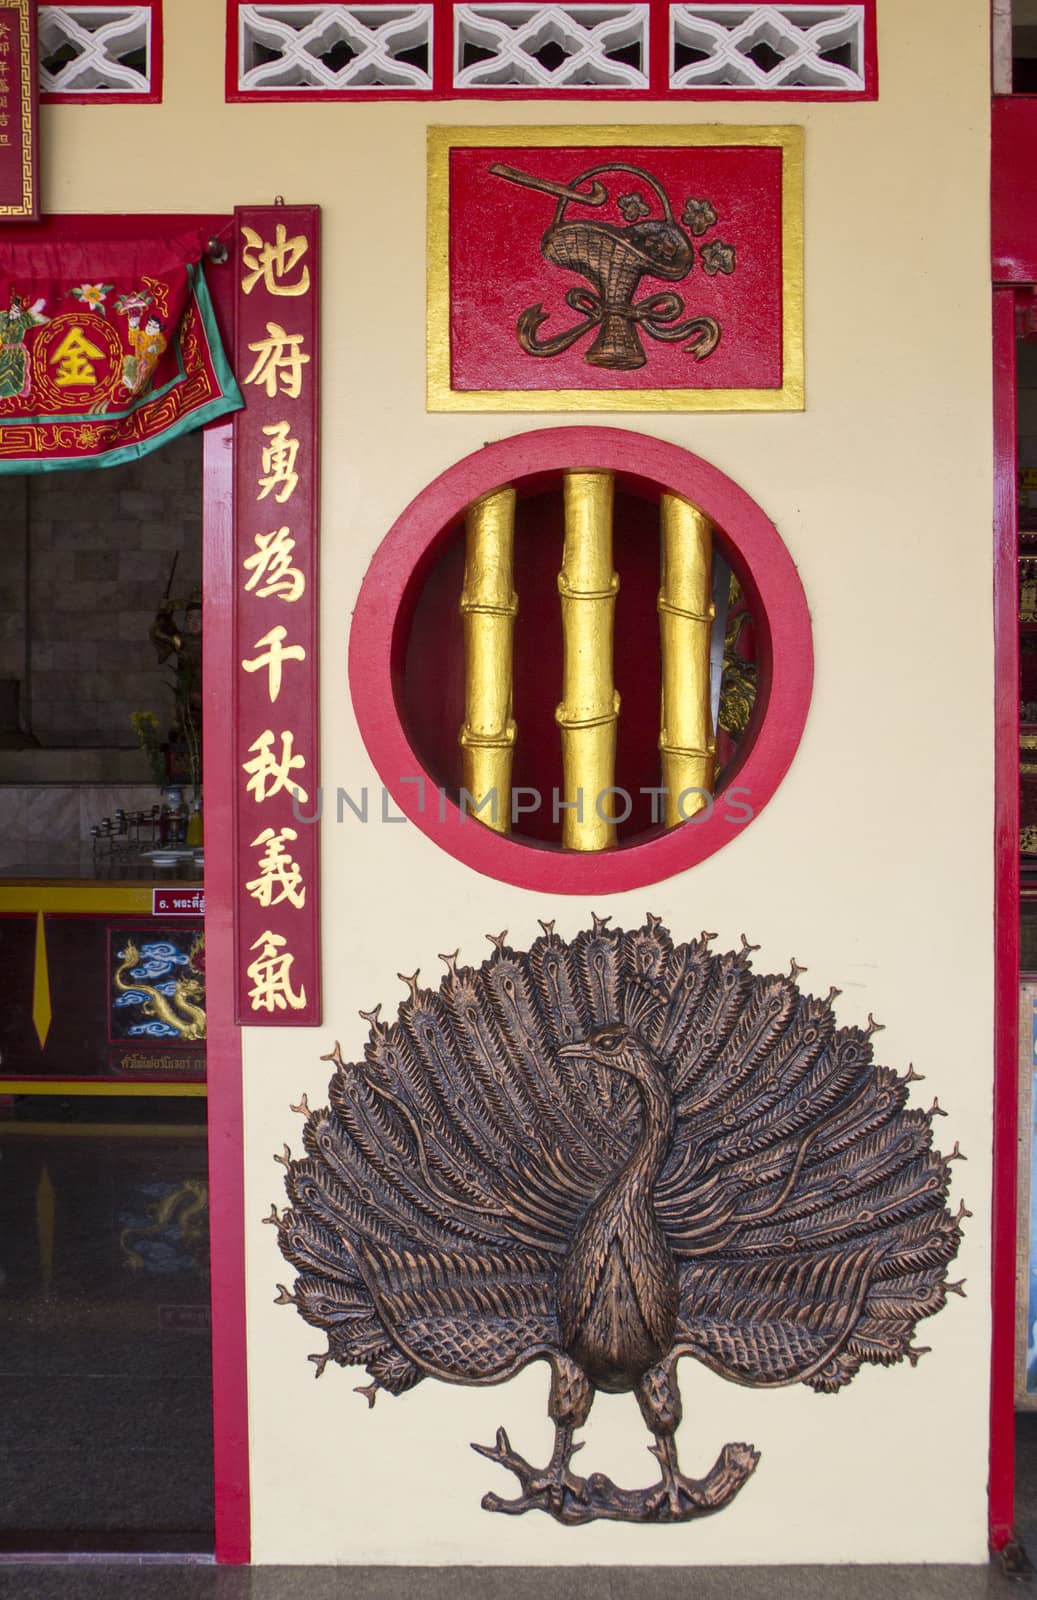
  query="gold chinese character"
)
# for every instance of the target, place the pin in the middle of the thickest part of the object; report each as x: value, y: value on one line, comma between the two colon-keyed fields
x: 274, y: 262
x: 271, y: 976
x: 272, y: 569
x: 72, y: 359
x: 279, y: 463
x: 268, y: 775
x: 279, y: 358
x: 276, y: 654
x: 278, y: 870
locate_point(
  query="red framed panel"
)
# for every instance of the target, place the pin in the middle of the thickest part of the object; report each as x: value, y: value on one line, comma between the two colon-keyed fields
x: 62, y: 958
x: 276, y: 465
x: 378, y: 640
x: 115, y: 95
x: 441, y: 65
x: 19, y: 103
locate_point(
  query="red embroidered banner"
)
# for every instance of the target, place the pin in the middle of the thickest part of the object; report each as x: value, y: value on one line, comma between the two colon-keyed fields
x: 19, y: 98
x: 108, y: 348
x: 276, y: 466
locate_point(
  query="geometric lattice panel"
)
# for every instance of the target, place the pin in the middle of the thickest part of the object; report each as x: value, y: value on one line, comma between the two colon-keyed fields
x: 336, y: 47
x: 514, y: 46
x: 100, y: 52
x: 767, y: 47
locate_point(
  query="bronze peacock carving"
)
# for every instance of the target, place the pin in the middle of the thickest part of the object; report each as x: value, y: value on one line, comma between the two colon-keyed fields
x: 610, y: 1153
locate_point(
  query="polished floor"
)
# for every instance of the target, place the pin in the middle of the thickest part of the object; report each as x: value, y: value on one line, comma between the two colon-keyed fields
x: 105, y: 1386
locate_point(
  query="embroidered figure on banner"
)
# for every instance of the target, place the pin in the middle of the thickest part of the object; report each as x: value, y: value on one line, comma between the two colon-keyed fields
x: 614, y: 257
x: 146, y: 344
x: 15, y: 323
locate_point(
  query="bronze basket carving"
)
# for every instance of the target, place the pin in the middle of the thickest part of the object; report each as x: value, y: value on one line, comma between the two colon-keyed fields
x: 614, y: 258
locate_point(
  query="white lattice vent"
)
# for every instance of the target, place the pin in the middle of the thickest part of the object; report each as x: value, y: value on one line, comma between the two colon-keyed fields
x: 103, y: 50
x: 515, y: 46
x: 767, y: 47
x: 331, y: 47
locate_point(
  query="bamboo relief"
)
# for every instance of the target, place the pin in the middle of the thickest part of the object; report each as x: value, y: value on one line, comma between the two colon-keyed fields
x: 488, y: 606
x: 588, y: 713
x: 686, y: 741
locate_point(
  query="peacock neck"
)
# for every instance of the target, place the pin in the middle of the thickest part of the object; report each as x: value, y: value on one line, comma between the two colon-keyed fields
x: 653, y: 1092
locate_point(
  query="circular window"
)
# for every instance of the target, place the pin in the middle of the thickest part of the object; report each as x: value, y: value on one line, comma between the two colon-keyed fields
x: 581, y: 660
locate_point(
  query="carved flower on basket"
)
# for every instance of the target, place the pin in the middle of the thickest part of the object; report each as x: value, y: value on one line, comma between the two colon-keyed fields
x: 698, y: 215
x: 718, y: 257
x: 633, y: 206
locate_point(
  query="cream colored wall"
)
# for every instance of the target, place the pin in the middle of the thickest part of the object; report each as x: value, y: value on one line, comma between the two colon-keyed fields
x: 872, y: 865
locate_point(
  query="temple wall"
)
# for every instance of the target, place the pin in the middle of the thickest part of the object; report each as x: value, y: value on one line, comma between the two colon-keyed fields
x: 872, y: 864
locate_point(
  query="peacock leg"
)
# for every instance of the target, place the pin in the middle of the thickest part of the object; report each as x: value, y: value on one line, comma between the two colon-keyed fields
x: 568, y: 1407
x: 676, y: 1498
x: 554, y: 1489
x: 660, y: 1401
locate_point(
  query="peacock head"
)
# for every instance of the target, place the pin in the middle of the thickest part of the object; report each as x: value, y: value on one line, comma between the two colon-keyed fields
x: 616, y: 1048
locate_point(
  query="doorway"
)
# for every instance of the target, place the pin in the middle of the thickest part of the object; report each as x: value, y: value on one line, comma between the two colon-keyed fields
x: 123, y: 1440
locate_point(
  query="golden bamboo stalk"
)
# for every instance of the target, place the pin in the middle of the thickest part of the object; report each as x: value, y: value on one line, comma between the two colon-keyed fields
x: 589, y: 710
x: 686, y: 736
x: 489, y: 606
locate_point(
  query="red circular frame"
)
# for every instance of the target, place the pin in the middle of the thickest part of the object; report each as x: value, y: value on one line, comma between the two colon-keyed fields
x: 771, y: 585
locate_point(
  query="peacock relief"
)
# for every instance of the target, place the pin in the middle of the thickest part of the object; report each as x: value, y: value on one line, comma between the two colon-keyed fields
x: 607, y: 1154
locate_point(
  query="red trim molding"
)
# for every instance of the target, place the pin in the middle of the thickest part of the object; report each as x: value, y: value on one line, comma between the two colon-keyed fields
x: 223, y: 1052
x: 771, y: 585
x: 1013, y: 189
x: 1006, y: 931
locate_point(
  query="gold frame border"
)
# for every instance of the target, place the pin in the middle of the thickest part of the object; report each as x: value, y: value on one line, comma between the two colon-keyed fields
x: 441, y: 397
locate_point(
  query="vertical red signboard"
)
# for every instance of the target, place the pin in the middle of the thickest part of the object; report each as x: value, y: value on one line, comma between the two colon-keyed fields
x: 276, y: 464
x: 19, y: 99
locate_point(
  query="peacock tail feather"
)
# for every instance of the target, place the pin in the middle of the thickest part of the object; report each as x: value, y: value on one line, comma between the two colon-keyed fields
x: 801, y: 1197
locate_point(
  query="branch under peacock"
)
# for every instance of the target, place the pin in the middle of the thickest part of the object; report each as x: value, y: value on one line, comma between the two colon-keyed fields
x: 609, y: 1153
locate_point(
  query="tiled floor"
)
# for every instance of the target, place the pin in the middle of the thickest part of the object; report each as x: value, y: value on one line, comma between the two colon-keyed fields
x: 503, y: 1583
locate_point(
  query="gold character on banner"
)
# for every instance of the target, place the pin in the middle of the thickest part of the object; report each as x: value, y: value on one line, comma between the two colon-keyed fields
x: 268, y: 773
x: 271, y: 975
x: 271, y: 567
x: 279, y: 463
x: 277, y: 652
x: 280, y: 875
x: 73, y: 359
x: 279, y: 360
x: 274, y: 262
